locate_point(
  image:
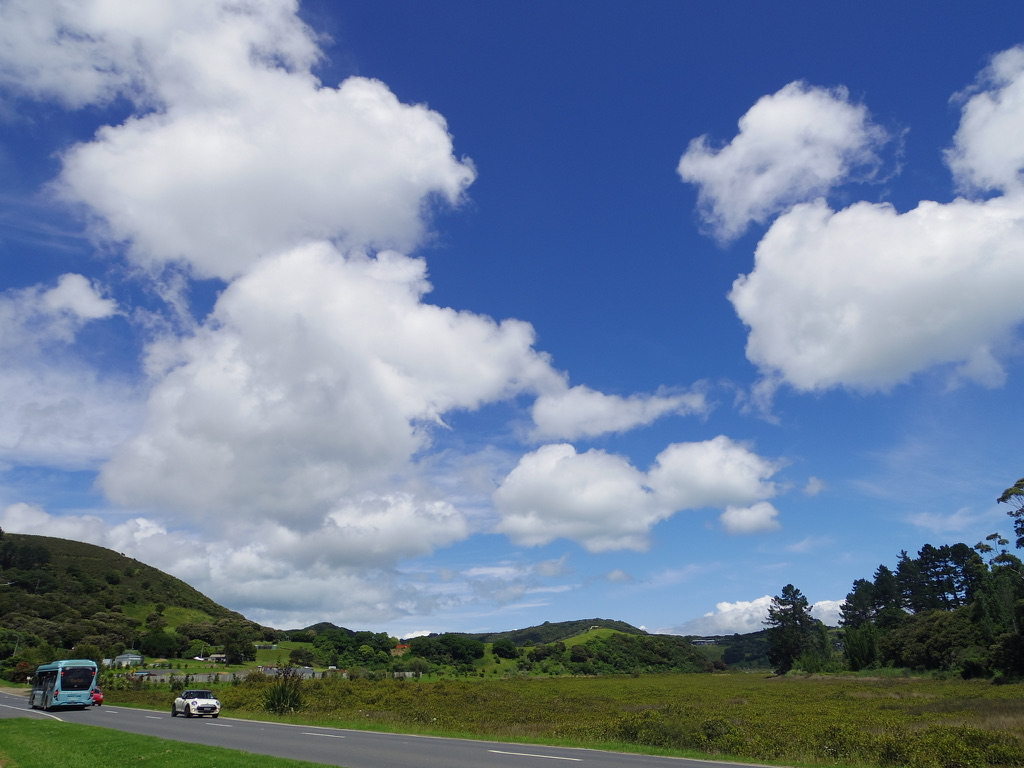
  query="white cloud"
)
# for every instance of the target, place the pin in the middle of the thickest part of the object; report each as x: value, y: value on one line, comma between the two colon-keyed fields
x: 758, y: 518
x: 827, y: 611
x: 952, y: 523
x: 288, y: 162
x: 791, y: 147
x: 35, y: 317
x: 865, y: 297
x: 91, y: 51
x: 595, y: 498
x: 815, y: 485
x: 745, y: 616
x: 740, y: 617
x: 988, y: 149
x: 579, y: 411
x: 236, y: 151
x: 76, y: 296
x: 314, y: 380
x: 605, y: 503
x: 713, y: 473
x: 58, y: 409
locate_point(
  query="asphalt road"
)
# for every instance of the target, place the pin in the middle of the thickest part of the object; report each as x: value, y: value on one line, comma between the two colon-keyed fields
x: 352, y: 749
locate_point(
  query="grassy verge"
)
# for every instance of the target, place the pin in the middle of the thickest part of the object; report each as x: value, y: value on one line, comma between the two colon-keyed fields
x: 26, y: 743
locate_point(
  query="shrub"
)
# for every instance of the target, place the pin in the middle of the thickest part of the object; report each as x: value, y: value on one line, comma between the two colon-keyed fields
x: 284, y: 697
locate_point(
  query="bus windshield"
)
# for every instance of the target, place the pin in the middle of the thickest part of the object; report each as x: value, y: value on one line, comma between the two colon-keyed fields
x: 76, y: 678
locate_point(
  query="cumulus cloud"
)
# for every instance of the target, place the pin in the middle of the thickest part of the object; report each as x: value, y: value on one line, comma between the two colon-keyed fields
x: 595, y: 497
x: 58, y: 410
x: 34, y: 317
x: 236, y: 150
x: 792, y: 146
x: 827, y: 612
x: 602, y: 501
x: 741, y: 617
x: 815, y: 485
x: 758, y: 518
x: 745, y: 616
x: 92, y: 51
x: 580, y: 411
x: 316, y: 378
x: 290, y: 161
x: 988, y: 149
x: 866, y: 297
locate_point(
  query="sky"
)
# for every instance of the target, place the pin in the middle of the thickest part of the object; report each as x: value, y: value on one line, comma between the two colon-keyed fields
x: 426, y: 317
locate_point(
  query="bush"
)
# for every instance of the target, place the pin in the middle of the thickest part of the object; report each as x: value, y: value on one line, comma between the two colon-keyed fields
x: 284, y: 697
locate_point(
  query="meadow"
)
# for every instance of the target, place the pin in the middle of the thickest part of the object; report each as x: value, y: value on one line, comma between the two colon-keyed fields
x: 844, y: 720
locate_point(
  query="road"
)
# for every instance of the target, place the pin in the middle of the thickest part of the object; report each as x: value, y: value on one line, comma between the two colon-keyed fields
x: 332, y: 746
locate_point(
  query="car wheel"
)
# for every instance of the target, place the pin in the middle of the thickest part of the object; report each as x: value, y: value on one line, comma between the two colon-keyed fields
x: 174, y: 711
x: 215, y: 714
x: 188, y: 712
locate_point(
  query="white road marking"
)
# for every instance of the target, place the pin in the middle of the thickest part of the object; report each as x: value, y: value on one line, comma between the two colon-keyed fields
x: 31, y: 711
x: 527, y: 754
x: 325, y: 735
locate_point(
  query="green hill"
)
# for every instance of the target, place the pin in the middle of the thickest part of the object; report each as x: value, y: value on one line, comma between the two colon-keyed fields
x: 556, y: 631
x: 61, y: 594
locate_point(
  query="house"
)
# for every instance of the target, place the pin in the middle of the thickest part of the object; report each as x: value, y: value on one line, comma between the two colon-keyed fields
x: 127, y: 659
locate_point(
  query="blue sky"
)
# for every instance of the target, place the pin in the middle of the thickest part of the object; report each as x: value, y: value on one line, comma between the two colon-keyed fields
x: 466, y: 316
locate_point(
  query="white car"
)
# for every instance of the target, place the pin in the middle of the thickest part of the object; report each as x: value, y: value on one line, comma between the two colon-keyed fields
x: 196, y: 702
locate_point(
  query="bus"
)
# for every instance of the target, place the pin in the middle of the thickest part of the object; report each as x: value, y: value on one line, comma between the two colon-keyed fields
x: 63, y: 684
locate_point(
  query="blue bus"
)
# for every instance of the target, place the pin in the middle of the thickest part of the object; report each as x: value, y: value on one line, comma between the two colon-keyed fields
x: 63, y: 684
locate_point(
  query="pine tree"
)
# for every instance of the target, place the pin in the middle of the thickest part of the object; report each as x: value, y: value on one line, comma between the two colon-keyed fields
x: 792, y: 631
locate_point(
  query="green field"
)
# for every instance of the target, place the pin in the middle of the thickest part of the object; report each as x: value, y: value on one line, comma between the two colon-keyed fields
x: 833, y: 720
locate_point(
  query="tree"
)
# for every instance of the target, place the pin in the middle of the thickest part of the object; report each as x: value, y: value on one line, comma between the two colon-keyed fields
x: 859, y: 606
x: 791, y: 629
x: 1014, y: 496
x: 505, y: 649
x: 861, y: 646
x: 239, y: 651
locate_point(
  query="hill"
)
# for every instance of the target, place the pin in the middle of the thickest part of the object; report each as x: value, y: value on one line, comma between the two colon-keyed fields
x: 62, y: 594
x: 558, y: 631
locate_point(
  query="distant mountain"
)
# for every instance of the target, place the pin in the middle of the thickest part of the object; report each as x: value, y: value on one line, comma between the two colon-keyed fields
x: 553, y: 632
x: 65, y: 593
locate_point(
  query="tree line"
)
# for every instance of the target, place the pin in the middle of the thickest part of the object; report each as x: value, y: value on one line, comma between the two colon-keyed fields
x: 952, y: 608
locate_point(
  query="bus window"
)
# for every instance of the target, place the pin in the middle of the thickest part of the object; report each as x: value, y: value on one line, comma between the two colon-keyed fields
x: 77, y: 678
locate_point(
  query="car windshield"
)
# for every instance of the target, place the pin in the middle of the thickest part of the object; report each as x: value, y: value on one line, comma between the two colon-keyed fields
x: 197, y: 695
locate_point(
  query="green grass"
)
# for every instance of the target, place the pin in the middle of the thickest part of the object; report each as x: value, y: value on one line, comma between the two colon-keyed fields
x: 173, y: 614
x: 26, y: 743
x: 590, y: 634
